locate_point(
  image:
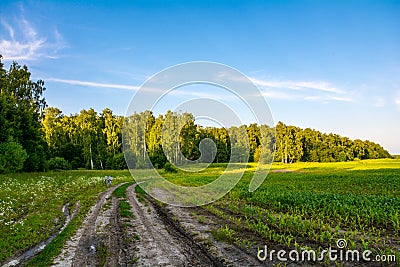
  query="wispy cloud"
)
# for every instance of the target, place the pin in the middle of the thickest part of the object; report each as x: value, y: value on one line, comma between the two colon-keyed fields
x: 8, y: 28
x: 284, y: 90
x: 328, y: 98
x: 321, y: 91
x: 206, y: 93
x: 379, y: 102
x: 302, y: 90
x: 299, y: 85
x: 177, y: 92
x: 274, y: 94
x: 94, y: 84
x: 397, y: 101
x: 22, y: 41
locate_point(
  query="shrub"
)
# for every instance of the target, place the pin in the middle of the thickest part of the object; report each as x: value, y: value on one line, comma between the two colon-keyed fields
x: 58, y: 163
x: 12, y: 156
x: 158, y: 160
x: 131, y: 160
x: 119, y: 162
x: 116, y: 162
x: 168, y: 167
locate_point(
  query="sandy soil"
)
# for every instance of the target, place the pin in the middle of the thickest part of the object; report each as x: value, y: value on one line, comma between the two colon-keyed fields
x: 199, y: 223
x: 150, y: 238
x: 81, y: 249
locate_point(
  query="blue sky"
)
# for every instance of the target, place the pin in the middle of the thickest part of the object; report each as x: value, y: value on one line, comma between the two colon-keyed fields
x: 329, y: 65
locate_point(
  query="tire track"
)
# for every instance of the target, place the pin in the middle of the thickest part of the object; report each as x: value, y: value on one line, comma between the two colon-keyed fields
x: 114, y: 238
x: 80, y: 250
x: 162, y: 241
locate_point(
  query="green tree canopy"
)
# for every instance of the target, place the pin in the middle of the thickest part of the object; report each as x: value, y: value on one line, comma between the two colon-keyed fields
x: 21, y: 107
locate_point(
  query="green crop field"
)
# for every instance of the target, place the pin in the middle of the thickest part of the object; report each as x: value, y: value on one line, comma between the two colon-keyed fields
x: 302, y: 205
x: 307, y: 205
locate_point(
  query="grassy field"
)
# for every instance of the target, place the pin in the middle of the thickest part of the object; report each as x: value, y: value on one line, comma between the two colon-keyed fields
x: 311, y: 205
x: 30, y: 204
x: 299, y: 205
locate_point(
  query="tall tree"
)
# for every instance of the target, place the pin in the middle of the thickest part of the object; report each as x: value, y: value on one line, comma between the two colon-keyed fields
x: 87, y: 123
x: 22, y: 103
x: 112, y: 130
x: 53, y: 128
x: 154, y: 143
x: 239, y: 143
x: 254, y: 139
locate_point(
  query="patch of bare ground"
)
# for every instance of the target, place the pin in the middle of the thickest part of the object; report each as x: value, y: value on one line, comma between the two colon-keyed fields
x: 161, y: 241
x: 148, y: 238
x: 97, y: 241
x: 281, y: 171
x: 200, y: 224
x: 177, y: 236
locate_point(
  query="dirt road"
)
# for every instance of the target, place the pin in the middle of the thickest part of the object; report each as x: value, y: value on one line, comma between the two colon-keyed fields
x: 156, y: 235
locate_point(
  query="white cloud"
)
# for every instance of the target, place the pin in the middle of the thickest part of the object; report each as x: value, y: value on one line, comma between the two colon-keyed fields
x: 27, y: 30
x: 328, y: 98
x: 380, y: 102
x: 177, y: 92
x: 302, y: 90
x: 279, y: 95
x: 206, y: 93
x: 299, y: 85
x: 8, y: 28
x: 274, y: 91
x: 397, y: 102
x: 94, y: 84
x: 25, y: 43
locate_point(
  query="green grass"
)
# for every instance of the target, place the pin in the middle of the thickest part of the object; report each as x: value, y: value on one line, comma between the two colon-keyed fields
x: 139, y: 190
x: 372, y: 164
x: 224, y: 234
x: 308, y: 205
x: 121, y: 190
x: 312, y: 204
x: 102, y: 253
x: 124, y: 206
x: 140, y: 193
x: 319, y: 203
x: 30, y: 207
x: 125, y: 209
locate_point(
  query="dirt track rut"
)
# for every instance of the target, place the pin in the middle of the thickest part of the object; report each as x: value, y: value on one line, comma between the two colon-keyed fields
x: 163, y: 242
x: 154, y: 236
x: 80, y: 249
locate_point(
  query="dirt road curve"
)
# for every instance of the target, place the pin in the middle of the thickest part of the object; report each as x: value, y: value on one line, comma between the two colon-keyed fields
x: 153, y: 236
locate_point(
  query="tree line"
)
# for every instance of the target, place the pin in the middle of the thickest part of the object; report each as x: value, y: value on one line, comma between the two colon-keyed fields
x: 296, y: 144
x: 238, y: 144
x: 34, y: 137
